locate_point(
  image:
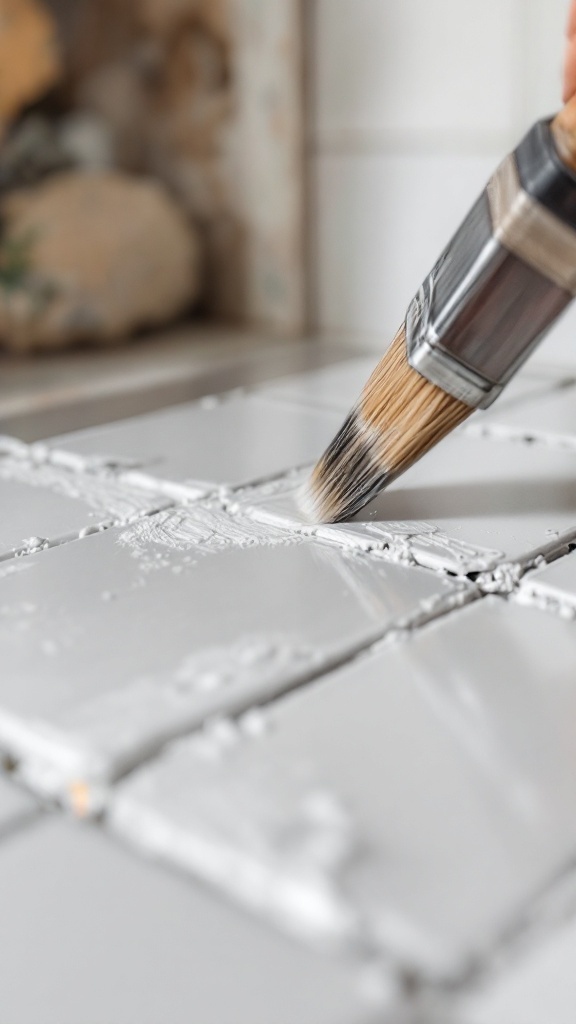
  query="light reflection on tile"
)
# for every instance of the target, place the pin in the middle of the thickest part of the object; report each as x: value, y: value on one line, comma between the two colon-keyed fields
x: 418, y: 799
x: 111, y: 645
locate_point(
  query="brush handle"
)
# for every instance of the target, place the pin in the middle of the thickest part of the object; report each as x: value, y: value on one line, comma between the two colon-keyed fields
x: 508, y: 273
x: 564, y: 133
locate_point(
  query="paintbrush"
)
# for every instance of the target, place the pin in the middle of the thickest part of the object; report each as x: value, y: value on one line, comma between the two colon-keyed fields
x: 504, y: 279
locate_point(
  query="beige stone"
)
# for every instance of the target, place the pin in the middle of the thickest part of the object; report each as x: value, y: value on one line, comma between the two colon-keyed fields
x: 29, y: 58
x: 104, y: 255
x: 167, y: 16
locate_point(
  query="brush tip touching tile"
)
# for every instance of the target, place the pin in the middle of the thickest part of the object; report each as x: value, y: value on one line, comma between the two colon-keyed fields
x: 399, y: 417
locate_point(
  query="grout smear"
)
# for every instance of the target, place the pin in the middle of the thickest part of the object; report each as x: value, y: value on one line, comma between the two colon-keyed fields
x: 203, y: 527
x: 105, y: 495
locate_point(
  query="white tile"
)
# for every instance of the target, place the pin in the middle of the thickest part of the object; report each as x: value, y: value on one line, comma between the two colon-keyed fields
x: 211, y: 442
x: 43, y: 504
x: 89, y: 933
x: 335, y: 387
x: 426, y: 68
x: 549, y: 417
x: 418, y: 799
x: 382, y: 222
x: 540, y: 987
x: 111, y: 645
x: 553, y: 586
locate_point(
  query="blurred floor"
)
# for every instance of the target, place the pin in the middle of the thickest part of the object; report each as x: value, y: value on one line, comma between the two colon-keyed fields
x: 53, y: 393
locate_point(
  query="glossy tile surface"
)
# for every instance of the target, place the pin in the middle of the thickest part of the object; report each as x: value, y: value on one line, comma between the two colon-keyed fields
x: 131, y: 636
x: 551, y: 415
x: 208, y: 443
x: 43, y: 504
x: 335, y: 387
x: 90, y: 934
x: 416, y: 800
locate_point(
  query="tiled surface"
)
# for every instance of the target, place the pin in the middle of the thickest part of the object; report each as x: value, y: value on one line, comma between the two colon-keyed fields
x: 336, y: 387
x: 111, y: 645
x: 549, y: 417
x: 208, y: 443
x: 407, y: 805
x: 105, y: 938
x: 43, y: 504
x: 457, y: 509
x: 553, y: 585
x: 397, y: 802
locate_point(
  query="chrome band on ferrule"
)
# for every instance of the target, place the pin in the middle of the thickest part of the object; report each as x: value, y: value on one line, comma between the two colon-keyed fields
x: 507, y: 275
x: 529, y: 230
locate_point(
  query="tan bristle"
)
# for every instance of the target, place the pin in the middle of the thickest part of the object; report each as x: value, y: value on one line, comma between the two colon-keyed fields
x: 399, y: 417
x: 409, y: 414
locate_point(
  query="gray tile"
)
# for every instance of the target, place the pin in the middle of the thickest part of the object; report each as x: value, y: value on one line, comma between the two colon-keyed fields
x: 91, y: 934
x: 209, y: 443
x: 43, y: 504
x: 113, y: 644
x: 466, y: 506
x: 416, y: 800
x: 553, y: 586
x: 539, y: 987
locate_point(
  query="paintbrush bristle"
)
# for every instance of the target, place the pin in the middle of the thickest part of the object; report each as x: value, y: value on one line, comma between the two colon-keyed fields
x: 398, y: 418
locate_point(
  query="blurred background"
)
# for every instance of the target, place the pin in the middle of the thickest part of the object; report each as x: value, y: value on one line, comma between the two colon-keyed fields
x: 414, y: 104
x: 210, y: 176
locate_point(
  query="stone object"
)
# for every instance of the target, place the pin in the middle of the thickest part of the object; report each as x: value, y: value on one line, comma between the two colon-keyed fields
x: 92, y: 258
x: 29, y: 59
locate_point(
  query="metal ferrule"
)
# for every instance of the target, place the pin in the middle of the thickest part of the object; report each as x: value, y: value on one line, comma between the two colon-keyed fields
x: 506, y: 276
